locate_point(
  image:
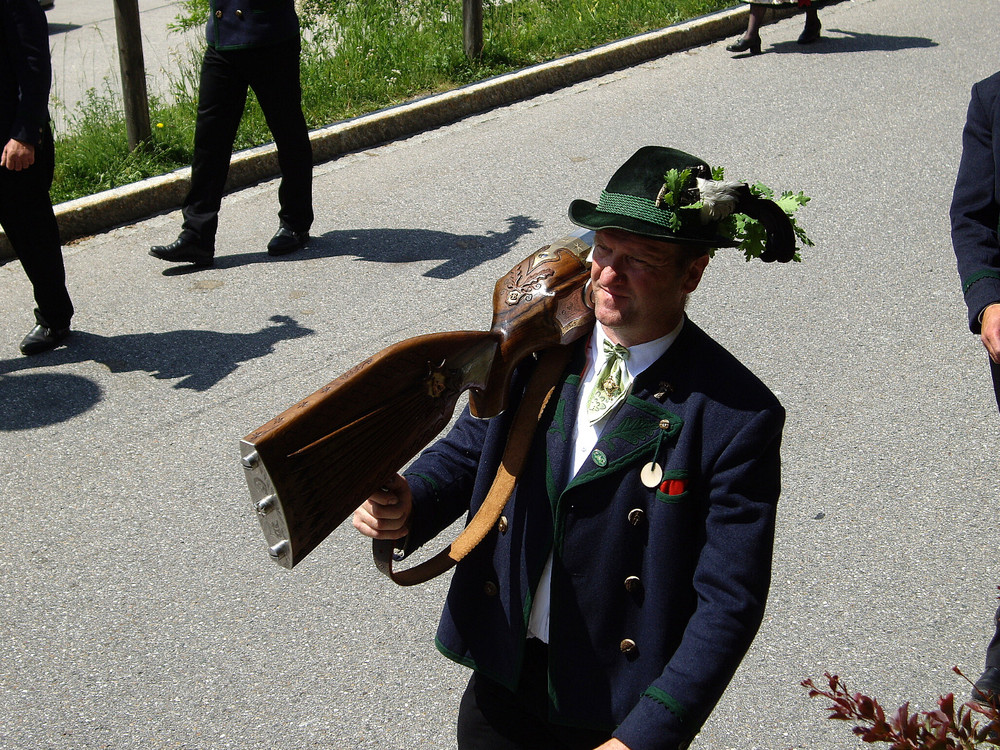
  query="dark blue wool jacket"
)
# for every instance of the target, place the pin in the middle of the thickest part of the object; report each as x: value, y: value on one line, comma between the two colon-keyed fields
x: 649, y: 659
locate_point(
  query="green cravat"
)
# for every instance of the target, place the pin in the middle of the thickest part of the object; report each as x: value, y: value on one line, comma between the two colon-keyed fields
x: 611, y: 385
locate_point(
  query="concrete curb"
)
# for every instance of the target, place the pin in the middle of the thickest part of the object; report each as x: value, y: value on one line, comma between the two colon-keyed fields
x: 100, y: 212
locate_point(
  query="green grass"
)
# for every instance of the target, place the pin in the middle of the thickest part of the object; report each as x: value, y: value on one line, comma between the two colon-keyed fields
x: 358, y: 56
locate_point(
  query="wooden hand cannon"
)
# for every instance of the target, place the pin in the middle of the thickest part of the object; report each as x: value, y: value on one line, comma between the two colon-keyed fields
x: 311, y: 466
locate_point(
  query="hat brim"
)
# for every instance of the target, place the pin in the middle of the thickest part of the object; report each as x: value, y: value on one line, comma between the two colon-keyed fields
x: 586, y: 214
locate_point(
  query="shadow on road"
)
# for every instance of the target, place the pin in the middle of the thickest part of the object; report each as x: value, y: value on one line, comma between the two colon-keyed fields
x: 62, y: 28
x: 38, y: 399
x: 852, y: 41
x: 459, y: 253
x: 199, y: 358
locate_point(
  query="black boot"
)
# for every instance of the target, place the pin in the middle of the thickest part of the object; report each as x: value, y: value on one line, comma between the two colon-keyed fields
x: 744, y: 44
x: 810, y: 33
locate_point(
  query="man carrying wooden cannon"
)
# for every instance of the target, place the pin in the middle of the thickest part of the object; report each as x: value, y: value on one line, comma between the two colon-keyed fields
x: 613, y: 600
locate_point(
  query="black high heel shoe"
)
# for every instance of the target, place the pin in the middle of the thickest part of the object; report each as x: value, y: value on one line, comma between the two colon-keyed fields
x: 810, y: 33
x: 744, y: 44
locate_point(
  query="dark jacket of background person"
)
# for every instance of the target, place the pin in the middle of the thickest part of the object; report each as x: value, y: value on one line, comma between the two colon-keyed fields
x: 240, y: 24
x: 25, y: 72
x: 975, y: 208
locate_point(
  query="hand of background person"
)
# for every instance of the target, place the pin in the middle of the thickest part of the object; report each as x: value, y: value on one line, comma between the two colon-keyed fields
x: 386, y: 514
x: 991, y: 331
x: 613, y: 744
x: 17, y: 155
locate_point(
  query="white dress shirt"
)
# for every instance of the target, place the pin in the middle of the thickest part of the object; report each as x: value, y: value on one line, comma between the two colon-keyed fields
x: 585, y: 437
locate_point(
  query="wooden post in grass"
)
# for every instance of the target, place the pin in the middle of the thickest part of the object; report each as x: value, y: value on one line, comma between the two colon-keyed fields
x: 472, y: 27
x: 133, y: 72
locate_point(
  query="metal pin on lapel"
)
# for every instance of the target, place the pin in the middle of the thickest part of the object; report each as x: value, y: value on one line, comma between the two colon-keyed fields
x: 663, y: 389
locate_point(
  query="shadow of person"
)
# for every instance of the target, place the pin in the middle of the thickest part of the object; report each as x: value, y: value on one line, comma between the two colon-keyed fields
x: 199, y: 359
x: 852, y: 41
x: 458, y: 253
x: 39, y: 399
x: 62, y: 28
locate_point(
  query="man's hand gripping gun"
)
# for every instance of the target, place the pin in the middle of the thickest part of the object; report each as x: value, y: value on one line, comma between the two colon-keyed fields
x: 311, y: 466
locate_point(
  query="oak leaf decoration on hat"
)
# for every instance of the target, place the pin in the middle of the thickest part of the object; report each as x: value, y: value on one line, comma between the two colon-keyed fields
x: 666, y: 194
x: 761, y: 225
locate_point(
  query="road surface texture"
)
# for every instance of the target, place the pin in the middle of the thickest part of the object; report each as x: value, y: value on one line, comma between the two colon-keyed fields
x: 139, y: 608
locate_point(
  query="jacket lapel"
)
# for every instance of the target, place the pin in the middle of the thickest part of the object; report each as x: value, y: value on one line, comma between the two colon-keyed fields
x: 642, y: 429
x: 637, y: 434
x: 559, y: 438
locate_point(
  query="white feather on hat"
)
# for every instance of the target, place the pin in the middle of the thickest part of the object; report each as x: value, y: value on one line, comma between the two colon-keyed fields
x: 718, y: 198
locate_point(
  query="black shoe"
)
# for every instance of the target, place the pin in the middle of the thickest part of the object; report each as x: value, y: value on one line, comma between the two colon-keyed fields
x: 744, y: 44
x: 286, y: 241
x: 987, y: 688
x: 41, y: 339
x: 183, y: 251
x: 810, y: 33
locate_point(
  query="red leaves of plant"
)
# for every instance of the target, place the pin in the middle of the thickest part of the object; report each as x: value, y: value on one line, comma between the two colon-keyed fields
x: 943, y: 728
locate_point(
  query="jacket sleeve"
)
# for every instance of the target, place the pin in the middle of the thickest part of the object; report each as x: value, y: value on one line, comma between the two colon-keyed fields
x: 26, y: 41
x: 442, y: 479
x: 975, y: 210
x: 731, y: 581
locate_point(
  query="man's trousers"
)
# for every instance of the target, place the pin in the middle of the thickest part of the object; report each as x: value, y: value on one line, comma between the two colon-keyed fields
x: 491, y: 717
x: 273, y: 74
x: 993, y: 650
x: 30, y: 224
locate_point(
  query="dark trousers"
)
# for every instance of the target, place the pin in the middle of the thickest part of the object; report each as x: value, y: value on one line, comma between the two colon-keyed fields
x: 273, y: 74
x: 491, y: 717
x: 30, y: 224
x: 993, y: 650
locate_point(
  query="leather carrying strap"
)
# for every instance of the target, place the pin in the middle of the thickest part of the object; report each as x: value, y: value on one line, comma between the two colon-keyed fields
x: 536, y: 397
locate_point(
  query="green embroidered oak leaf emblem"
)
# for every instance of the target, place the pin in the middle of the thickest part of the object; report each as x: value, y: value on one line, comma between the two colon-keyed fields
x: 559, y: 421
x: 633, y: 431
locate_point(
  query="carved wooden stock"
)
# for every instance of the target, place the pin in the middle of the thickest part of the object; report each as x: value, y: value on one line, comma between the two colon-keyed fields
x: 311, y: 466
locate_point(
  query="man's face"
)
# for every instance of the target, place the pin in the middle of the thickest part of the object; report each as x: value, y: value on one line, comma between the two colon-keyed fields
x: 640, y: 285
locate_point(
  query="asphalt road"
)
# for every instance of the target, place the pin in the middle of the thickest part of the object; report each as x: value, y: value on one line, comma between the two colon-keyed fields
x: 138, y: 607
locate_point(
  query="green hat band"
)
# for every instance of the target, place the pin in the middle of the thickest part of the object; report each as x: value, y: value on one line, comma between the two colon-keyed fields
x: 636, y: 207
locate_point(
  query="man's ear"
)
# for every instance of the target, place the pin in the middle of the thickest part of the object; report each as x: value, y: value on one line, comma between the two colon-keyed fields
x: 694, y: 273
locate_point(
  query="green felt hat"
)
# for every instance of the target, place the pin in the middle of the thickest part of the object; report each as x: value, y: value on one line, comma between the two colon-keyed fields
x: 634, y: 201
